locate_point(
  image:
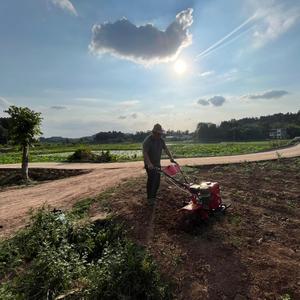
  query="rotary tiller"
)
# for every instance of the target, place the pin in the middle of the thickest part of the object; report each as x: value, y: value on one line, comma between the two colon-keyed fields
x: 205, y: 198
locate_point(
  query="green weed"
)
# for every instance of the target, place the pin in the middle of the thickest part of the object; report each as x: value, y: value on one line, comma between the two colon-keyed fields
x: 234, y: 219
x: 81, y: 208
x: 57, y: 256
x: 286, y: 297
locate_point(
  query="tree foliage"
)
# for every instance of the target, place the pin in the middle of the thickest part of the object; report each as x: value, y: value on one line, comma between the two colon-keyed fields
x: 24, y: 128
x: 248, y: 129
x: 24, y: 125
x: 4, y: 125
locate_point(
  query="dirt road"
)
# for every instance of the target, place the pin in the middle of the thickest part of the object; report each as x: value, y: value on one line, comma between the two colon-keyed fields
x: 15, y: 202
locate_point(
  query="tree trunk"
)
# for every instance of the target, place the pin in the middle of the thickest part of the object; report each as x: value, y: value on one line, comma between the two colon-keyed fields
x: 25, y: 158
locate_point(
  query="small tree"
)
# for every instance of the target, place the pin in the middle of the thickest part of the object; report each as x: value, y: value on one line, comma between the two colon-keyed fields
x: 23, y: 130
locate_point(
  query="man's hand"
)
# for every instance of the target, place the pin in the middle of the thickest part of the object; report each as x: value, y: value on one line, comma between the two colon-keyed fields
x: 150, y: 166
x: 172, y: 160
x: 148, y: 161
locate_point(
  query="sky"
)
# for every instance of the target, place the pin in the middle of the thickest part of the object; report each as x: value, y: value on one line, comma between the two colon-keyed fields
x: 98, y: 65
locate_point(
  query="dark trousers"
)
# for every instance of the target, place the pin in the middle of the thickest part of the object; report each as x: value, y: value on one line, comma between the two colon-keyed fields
x: 152, y: 182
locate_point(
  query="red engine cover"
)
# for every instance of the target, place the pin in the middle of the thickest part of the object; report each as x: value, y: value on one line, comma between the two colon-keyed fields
x: 215, y: 200
x: 215, y: 197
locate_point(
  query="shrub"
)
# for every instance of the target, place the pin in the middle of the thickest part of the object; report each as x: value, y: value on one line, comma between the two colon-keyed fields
x: 86, y: 155
x: 10, y: 258
x: 51, y: 271
x: 6, y: 293
x: 55, y: 255
x: 83, y: 155
x: 124, y: 272
x: 106, y: 156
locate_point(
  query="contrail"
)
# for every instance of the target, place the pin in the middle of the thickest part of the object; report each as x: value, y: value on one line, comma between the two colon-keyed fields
x: 227, y: 42
x: 226, y: 37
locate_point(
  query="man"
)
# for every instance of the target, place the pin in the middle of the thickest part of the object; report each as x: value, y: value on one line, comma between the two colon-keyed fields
x: 152, y: 149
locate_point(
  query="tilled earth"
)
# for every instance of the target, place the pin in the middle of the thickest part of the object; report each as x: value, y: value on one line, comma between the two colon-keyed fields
x: 13, y: 177
x: 252, y: 252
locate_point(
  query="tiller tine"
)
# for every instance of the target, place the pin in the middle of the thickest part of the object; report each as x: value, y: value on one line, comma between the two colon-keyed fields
x: 190, y: 207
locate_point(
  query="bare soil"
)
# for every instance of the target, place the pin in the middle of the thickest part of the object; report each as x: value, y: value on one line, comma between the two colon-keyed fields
x: 16, y: 202
x: 12, y: 177
x: 252, y: 252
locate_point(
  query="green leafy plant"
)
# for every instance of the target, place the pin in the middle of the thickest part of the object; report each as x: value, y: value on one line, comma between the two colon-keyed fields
x: 286, y: 297
x: 57, y: 255
x: 279, y: 155
x: 86, y: 155
x: 132, y: 152
x: 24, y: 128
x: 82, y: 155
x: 124, y: 272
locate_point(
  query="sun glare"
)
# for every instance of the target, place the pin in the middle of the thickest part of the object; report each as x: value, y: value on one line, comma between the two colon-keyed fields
x: 180, y: 67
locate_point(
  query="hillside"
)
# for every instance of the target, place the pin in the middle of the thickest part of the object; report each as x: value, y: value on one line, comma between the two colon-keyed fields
x: 250, y: 128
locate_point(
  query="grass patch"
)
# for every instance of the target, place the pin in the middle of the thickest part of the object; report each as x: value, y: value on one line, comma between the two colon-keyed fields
x: 55, y: 255
x: 105, y: 197
x: 225, y: 148
x: 81, y: 208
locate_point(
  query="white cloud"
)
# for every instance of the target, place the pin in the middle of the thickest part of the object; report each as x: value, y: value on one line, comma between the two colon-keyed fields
x: 274, y: 19
x: 131, y: 116
x: 217, y: 100
x: 203, y: 102
x: 214, y: 101
x: 144, y: 44
x: 230, y: 75
x: 207, y: 73
x: 58, y: 107
x: 236, y: 33
x: 274, y: 94
x: 167, y: 106
x: 87, y: 99
x: 65, y: 5
x: 129, y: 103
x: 268, y: 20
x: 213, y: 78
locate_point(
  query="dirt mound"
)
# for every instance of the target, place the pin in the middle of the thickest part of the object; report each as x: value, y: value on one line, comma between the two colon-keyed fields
x: 253, y: 252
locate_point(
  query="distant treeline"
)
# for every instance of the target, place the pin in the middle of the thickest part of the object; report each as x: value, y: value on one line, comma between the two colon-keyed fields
x: 106, y: 137
x: 245, y: 129
x: 118, y: 137
x: 248, y: 129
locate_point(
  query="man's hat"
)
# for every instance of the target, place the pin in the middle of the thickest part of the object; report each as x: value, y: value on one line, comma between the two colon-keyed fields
x: 157, y: 128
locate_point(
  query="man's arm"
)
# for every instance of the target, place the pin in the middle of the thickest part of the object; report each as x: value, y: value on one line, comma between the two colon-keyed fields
x: 146, y: 155
x: 147, y: 160
x: 169, y: 154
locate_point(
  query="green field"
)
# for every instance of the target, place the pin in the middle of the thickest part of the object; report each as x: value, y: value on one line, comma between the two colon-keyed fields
x: 129, y: 152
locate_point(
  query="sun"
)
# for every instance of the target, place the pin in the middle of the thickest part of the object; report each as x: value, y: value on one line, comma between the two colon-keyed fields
x: 180, y: 67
